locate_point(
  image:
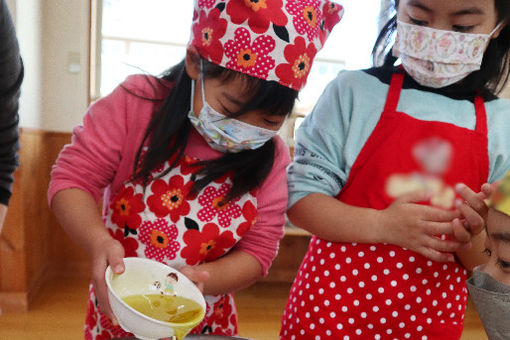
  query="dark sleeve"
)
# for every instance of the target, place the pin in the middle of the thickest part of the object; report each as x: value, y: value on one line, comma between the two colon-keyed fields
x: 11, y: 76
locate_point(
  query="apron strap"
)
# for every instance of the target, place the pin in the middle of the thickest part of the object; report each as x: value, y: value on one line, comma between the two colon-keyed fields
x: 397, y: 79
x: 481, y: 115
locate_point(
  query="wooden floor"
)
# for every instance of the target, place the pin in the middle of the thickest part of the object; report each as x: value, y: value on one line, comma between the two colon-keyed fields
x: 59, y: 311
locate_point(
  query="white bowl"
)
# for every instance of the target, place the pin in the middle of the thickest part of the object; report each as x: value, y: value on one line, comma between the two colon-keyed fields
x: 138, y: 278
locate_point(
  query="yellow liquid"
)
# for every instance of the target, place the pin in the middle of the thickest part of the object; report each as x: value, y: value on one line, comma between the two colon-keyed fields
x: 175, y: 309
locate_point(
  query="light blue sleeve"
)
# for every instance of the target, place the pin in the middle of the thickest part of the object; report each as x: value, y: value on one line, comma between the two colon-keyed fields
x: 319, y: 165
x: 498, y: 121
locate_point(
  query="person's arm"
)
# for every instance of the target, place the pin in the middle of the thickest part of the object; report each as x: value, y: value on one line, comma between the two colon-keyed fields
x: 78, y: 214
x: 403, y: 223
x: 326, y: 143
x: 228, y: 274
x: 252, y: 256
x: 11, y: 76
x: 82, y: 170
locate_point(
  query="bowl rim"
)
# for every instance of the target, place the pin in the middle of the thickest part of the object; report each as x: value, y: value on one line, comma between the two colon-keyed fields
x: 164, y: 323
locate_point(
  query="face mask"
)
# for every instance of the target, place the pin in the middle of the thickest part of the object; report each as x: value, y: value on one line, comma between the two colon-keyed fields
x: 492, y: 302
x: 438, y: 58
x: 226, y: 134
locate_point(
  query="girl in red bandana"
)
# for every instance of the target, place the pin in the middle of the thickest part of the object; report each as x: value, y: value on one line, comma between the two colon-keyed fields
x: 189, y: 166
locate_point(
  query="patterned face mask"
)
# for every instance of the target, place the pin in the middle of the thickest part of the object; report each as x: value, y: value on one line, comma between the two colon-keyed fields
x: 438, y: 58
x: 226, y: 134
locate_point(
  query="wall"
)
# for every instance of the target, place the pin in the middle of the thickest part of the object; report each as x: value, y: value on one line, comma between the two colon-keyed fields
x: 65, y: 37
x: 28, y: 28
x: 52, y: 100
x: 50, y: 32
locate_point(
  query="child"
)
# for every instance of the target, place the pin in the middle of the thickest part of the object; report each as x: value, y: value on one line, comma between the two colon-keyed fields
x: 489, y: 286
x: 378, y: 189
x: 193, y: 170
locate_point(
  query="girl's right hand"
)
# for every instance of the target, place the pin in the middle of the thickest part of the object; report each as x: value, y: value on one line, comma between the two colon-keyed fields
x: 106, y: 252
x: 416, y: 227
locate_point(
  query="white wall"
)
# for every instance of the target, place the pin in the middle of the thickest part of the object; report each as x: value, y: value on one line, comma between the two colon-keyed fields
x: 50, y: 32
x: 28, y: 28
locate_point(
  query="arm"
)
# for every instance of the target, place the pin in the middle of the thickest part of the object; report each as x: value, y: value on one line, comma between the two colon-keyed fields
x: 11, y: 76
x: 403, y: 223
x: 229, y: 273
x: 82, y: 171
x: 327, y: 143
x: 321, y: 215
x: 252, y: 256
x: 78, y: 214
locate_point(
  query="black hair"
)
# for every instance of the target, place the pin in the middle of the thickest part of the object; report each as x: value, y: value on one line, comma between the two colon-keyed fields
x: 169, y: 129
x: 494, y: 71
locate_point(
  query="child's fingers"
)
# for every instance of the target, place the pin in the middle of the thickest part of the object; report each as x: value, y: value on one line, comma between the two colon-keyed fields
x: 438, y: 228
x: 475, y: 222
x: 102, y: 297
x: 196, y: 275
x: 435, y: 255
x: 101, y: 292
x: 460, y: 233
x: 115, y: 258
x: 443, y: 246
x: 439, y: 215
x: 474, y: 200
x: 489, y: 188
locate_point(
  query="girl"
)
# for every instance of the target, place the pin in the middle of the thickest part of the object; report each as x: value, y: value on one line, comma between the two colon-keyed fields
x: 193, y: 170
x: 380, y: 191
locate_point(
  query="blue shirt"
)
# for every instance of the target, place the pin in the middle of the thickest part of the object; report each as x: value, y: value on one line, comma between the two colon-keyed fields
x: 331, y: 137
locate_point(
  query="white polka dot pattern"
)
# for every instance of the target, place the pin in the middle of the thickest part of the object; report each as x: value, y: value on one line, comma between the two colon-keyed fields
x: 374, y: 291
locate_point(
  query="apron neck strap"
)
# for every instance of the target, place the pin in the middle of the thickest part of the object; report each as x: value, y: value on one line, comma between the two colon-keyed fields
x: 397, y: 79
x: 481, y: 115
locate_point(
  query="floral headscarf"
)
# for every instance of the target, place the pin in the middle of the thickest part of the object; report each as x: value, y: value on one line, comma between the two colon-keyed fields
x: 268, y: 39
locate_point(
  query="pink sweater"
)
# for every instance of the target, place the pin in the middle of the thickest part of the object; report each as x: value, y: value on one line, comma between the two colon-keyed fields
x: 102, y: 153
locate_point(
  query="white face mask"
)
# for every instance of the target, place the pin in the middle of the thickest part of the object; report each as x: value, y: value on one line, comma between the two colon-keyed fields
x: 226, y: 134
x: 438, y: 58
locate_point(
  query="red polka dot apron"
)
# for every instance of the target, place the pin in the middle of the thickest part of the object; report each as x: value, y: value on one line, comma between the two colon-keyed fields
x: 169, y: 223
x: 382, y: 291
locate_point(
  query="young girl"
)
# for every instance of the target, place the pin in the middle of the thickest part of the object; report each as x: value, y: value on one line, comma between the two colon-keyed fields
x: 193, y: 170
x: 385, y: 173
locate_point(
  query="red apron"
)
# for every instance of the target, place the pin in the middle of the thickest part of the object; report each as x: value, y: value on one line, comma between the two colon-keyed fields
x: 382, y: 291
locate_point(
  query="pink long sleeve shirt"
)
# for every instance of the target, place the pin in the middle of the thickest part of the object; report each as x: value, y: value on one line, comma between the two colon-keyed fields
x: 102, y: 153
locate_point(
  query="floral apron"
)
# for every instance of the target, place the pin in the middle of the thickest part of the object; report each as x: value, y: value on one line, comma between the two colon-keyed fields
x: 168, y: 223
x: 382, y: 291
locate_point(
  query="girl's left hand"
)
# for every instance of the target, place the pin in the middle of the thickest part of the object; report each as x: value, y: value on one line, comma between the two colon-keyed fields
x: 473, y: 209
x: 196, y: 275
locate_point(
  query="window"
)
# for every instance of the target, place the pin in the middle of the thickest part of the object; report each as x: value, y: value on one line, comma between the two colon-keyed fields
x: 132, y: 38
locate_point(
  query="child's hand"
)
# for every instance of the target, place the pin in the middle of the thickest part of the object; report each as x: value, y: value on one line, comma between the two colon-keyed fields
x: 416, y: 227
x: 196, y: 275
x: 106, y: 252
x: 473, y: 210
